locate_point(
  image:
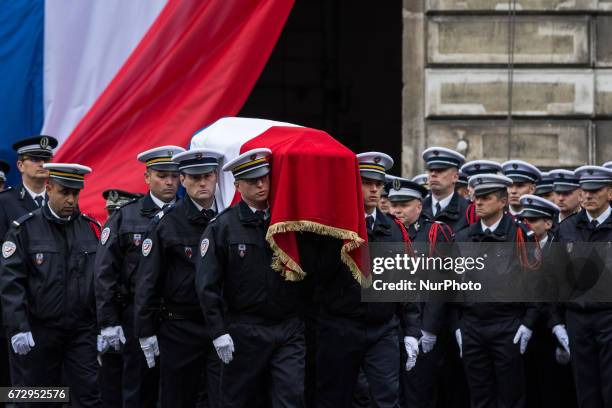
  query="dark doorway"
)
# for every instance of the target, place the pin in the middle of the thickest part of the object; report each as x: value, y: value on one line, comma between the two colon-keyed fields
x: 338, y: 67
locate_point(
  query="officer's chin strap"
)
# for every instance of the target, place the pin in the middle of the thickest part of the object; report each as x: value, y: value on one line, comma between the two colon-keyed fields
x: 524, y: 255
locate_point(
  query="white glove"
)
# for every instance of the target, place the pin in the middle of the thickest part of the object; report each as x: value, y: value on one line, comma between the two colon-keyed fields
x: 428, y: 341
x: 225, y: 348
x: 114, y: 336
x: 412, y: 349
x: 150, y: 348
x: 562, y: 356
x: 561, y: 335
x: 523, y: 334
x: 22, y: 343
x: 459, y: 342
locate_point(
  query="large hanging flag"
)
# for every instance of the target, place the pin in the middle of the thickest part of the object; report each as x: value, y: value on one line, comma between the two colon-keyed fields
x: 113, y: 78
x: 315, y: 187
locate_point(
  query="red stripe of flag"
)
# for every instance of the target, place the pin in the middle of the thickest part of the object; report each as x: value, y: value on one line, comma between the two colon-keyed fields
x: 198, y: 62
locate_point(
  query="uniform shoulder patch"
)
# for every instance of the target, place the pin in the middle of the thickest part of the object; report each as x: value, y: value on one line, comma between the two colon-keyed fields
x: 8, y: 249
x: 104, y: 235
x: 147, y: 245
x: 22, y: 219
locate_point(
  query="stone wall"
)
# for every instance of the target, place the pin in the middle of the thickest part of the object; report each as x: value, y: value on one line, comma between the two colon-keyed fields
x: 456, y: 80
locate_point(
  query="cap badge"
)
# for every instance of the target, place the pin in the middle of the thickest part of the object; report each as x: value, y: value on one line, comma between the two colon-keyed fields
x: 590, y: 172
x: 113, y: 195
x: 477, y: 166
x: 377, y: 159
x: 252, y: 157
x: 514, y: 166
x: 397, y: 184
x: 198, y: 156
x: 44, y: 142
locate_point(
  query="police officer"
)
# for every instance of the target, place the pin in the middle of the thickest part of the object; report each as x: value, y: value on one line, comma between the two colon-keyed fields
x: 116, y: 263
x: 473, y: 168
x: 461, y: 187
x: 567, y: 193
x: 252, y: 311
x: 544, y: 186
x: 589, y: 322
x: 549, y: 380
x: 354, y: 335
x: 428, y: 322
x: 47, y: 288
x: 166, y: 273
x: 444, y: 204
x: 493, y: 336
x: 116, y: 198
x: 524, y: 177
x: 4, y: 169
x: 27, y: 196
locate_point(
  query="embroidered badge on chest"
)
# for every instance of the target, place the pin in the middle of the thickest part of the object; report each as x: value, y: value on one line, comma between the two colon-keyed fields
x: 8, y: 249
x: 146, y: 246
x: 242, y: 250
x: 136, y: 239
x: 40, y: 258
x: 570, y: 247
x: 188, y: 252
x: 104, y: 235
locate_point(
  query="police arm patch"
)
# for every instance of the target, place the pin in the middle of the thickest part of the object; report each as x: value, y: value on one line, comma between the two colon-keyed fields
x: 104, y: 236
x: 8, y: 249
x: 204, y: 247
x: 147, y: 244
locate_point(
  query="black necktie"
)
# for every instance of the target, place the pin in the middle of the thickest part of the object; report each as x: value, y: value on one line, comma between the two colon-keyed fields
x: 370, y: 222
x: 488, y: 232
x: 594, y: 224
x: 165, y: 206
x: 438, y: 209
x: 39, y: 201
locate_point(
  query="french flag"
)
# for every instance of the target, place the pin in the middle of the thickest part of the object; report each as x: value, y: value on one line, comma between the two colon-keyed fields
x: 112, y: 78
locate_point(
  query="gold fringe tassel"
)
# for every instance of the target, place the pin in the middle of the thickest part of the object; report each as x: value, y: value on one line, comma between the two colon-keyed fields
x: 283, y: 263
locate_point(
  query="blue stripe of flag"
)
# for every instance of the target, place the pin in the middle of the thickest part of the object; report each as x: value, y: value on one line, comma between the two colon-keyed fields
x: 21, y: 74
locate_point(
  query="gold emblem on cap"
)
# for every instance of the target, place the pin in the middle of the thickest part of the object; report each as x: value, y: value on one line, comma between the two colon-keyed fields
x: 44, y: 142
x: 397, y: 184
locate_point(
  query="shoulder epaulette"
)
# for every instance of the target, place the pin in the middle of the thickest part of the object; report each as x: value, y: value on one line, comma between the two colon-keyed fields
x: 132, y: 201
x: 91, y: 219
x: 222, y: 212
x: 22, y: 219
